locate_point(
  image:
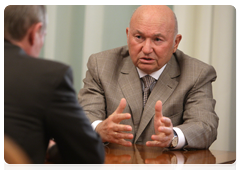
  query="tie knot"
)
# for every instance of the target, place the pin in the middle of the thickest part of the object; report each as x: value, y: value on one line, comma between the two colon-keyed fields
x: 147, y: 80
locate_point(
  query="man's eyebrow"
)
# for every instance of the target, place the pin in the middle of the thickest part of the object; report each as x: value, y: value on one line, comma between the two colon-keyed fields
x: 139, y: 32
x: 155, y: 35
x: 158, y: 34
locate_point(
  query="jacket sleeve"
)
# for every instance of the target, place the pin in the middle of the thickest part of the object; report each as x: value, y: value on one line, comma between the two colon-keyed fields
x: 71, y: 129
x: 92, y: 97
x: 200, y: 121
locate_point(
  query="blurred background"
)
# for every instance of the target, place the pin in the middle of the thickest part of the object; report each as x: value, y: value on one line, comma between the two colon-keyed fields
x: 74, y: 32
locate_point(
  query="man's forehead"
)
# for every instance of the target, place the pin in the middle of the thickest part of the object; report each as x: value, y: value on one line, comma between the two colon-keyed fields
x: 151, y: 11
x: 152, y: 21
x: 155, y: 28
x: 153, y: 15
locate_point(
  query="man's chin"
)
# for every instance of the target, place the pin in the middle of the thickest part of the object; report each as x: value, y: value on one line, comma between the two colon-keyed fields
x: 146, y: 68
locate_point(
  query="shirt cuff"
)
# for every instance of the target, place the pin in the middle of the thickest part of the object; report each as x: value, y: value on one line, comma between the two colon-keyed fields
x: 181, y: 138
x: 95, y: 123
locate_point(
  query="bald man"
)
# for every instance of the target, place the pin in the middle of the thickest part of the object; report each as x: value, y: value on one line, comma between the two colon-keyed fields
x: 149, y: 92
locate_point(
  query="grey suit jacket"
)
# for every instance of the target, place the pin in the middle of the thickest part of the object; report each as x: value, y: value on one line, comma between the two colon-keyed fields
x: 184, y: 88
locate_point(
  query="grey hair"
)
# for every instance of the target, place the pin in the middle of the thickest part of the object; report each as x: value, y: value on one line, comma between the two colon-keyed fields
x: 176, y: 26
x: 19, y: 18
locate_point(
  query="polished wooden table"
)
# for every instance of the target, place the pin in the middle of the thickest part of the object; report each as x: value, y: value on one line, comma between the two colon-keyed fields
x: 142, y: 154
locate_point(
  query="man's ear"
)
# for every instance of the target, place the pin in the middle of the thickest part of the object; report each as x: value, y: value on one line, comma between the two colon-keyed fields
x: 127, y: 33
x: 34, y: 32
x: 176, y: 42
x: 127, y: 29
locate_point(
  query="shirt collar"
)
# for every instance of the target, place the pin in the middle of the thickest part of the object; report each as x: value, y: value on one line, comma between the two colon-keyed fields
x: 155, y: 74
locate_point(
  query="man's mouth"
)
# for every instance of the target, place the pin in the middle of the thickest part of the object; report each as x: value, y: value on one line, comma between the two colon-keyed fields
x: 146, y: 60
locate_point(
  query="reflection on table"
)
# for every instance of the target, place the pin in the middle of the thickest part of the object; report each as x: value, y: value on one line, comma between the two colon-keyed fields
x: 142, y: 157
x: 142, y: 154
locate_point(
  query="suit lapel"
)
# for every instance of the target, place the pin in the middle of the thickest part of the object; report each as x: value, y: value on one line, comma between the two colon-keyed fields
x: 131, y: 88
x: 164, y: 87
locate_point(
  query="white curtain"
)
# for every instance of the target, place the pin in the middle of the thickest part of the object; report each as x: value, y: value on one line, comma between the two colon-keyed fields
x: 209, y: 34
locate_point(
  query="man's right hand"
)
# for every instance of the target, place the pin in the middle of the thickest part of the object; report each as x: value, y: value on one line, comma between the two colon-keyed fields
x: 111, y: 130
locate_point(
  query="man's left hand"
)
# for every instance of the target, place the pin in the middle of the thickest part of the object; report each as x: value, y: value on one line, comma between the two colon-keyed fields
x: 163, y: 129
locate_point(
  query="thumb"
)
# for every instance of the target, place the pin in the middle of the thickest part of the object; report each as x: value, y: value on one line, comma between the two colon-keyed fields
x: 121, y: 106
x: 158, y: 110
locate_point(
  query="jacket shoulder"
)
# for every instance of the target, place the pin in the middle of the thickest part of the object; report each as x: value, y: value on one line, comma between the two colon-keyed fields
x: 112, y: 59
x: 192, y: 66
x: 185, y: 60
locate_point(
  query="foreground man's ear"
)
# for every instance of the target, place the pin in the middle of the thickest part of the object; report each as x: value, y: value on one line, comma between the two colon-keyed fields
x: 34, y: 32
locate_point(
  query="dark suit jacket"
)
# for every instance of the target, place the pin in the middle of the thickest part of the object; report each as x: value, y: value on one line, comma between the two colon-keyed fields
x: 184, y: 88
x: 39, y: 104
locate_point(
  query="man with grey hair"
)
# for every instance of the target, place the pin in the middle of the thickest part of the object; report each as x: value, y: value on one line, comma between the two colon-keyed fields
x: 39, y: 100
x: 149, y: 92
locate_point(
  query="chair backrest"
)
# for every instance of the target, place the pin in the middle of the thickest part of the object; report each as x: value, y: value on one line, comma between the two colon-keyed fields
x: 13, y: 154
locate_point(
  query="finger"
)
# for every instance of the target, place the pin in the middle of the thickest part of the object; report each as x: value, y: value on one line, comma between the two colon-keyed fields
x: 120, y: 127
x: 124, y: 142
x: 51, y: 143
x: 121, y: 106
x: 166, y: 121
x: 120, y: 135
x: 158, y: 110
x: 117, y: 118
x: 166, y: 130
x: 158, y: 116
x: 156, y: 143
x: 160, y: 138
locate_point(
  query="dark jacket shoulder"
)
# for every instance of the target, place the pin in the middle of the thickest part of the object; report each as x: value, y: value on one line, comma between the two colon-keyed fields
x: 16, y: 59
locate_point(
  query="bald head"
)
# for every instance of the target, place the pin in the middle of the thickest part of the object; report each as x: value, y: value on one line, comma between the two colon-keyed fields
x: 156, y: 13
x: 152, y: 37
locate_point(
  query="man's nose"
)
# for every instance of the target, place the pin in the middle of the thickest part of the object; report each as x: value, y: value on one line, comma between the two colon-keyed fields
x: 147, y: 47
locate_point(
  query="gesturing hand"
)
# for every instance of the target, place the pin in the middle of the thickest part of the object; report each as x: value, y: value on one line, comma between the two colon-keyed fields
x: 163, y: 128
x: 110, y: 129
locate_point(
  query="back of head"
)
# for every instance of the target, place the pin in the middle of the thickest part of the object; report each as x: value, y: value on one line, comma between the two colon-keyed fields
x: 19, y: 18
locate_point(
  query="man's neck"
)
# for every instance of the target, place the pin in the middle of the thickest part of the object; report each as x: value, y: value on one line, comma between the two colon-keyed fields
x: 155, y: 74
x: 22, y: 44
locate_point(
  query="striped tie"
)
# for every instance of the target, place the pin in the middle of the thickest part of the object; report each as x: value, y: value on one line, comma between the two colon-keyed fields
x: 148, y: 81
